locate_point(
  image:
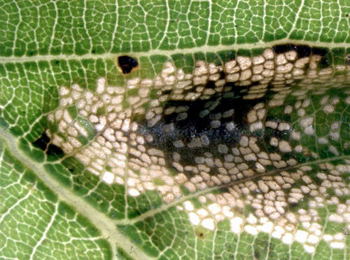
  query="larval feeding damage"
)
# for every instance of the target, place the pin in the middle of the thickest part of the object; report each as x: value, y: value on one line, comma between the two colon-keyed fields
x: 245, y: 135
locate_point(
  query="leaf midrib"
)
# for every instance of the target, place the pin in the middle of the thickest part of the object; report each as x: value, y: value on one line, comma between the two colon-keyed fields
x: 169, y: 53
x: 107, y: 227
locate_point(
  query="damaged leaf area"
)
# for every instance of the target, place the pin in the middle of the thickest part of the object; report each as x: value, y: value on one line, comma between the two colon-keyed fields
x: 257, y: 142
x: 175, y: 131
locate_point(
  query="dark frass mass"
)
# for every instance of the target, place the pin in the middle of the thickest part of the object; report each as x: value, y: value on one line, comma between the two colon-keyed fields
x: 127, y: 63
x: 201, y: 128
x: 302, y: 50
x: 227, y: 126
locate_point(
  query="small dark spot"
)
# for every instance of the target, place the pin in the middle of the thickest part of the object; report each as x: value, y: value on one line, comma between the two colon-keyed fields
x: 127, y: 64
x: 200, y: 234
x: 55, y: 151
x: 293, y: 205
x: 348, y: 59
x: 93, y: 51
x: 347, y: 15
x: 44, y: 144
x: 57, y: 62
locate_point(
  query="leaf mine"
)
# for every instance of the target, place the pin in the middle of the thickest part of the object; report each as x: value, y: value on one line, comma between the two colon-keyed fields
x: 244, y: 137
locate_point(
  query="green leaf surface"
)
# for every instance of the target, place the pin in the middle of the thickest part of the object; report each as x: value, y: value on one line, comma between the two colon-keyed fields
x: 174, y: 129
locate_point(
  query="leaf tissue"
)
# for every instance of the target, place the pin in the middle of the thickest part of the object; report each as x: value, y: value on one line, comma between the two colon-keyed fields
x: 174, y: 129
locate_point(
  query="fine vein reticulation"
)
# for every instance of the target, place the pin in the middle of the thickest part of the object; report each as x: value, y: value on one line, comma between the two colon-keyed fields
x: 174, y: 130
x: 241, y: 135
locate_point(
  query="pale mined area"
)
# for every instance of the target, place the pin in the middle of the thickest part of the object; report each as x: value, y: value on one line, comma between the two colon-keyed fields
x: 119, y: 152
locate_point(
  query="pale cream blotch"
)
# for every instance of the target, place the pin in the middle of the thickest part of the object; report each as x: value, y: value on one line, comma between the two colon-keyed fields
x: 169, y: 148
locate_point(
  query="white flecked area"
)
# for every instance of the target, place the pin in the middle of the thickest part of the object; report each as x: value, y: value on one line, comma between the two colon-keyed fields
x: 119, y: 146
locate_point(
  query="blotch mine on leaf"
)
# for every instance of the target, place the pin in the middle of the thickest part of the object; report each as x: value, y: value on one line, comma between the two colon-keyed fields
x: 224, y: 127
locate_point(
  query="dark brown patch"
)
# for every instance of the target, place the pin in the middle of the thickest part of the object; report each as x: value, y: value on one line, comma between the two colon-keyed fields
x: 302, y: 50
x: 44, y: 144
x: 127, y: 64
x: 200, y: 234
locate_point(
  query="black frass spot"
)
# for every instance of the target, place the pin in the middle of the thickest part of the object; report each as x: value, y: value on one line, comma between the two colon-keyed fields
x: 284, y: 48
x: 44, y: 144
x: 127, y: 64
x: 306, y: 51
x: 302, y: 50
x: 320, y: 51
